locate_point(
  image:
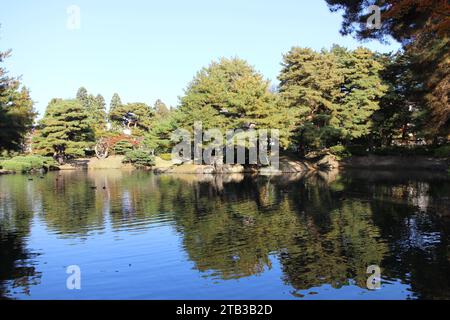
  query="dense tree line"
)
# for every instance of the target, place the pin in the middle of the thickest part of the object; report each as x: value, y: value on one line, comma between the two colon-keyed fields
x: 335, y: 97
x: 16, y: 110
x: 423, y: 29
x: 325, y: 99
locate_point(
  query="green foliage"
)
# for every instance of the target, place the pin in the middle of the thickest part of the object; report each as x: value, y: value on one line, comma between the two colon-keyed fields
x: 158, y: 138
x: 28, y: 163
x: 333, y: 94
x: 165, y: 156
x: 442, y: 152
x: 401, y: 109
x: 142, y: 111
x: 65, y: 130
x: 139, y: 158
x: 122, y: 147
x: 361, y: 90
x: 230, y: 94
x: 95, y: 108
x: 161, y: 109
x: 340, y: 151
x: 16, y: 111
x: 422, y: 27
x: 115, y: 102
x: 310, y: 86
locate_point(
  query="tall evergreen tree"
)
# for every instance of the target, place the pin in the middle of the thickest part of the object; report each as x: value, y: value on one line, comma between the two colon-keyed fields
x: 65, y: 131
x: 333, y: 94
x: 310, y: 86
x: 16, y: 111
x: 96, y: 109
x: 423, y: 28
x: 82, y: 95
x: 139, y: 111
x: 362, y: 89
x: 115, y: 102
x: 161, y: 109
x: 230, y: 94
x: 401, y: 112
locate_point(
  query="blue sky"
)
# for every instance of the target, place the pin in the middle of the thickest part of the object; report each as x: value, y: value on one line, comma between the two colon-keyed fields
x: 146, y: 50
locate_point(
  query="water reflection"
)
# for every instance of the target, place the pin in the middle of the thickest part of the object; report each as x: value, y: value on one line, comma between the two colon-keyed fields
x: 320, y: 229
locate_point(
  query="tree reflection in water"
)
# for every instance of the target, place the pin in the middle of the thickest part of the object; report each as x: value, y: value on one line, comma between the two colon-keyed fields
x: 324, y: 228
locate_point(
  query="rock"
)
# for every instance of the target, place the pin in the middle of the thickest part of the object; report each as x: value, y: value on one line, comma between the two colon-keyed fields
x: 233, y: 168
x: 269, y: 171
x: 208, y: 170
x: 327, y: 162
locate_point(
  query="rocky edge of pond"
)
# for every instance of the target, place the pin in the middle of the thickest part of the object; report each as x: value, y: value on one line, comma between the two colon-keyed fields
x: 288, y: 164
x: 314, y: 163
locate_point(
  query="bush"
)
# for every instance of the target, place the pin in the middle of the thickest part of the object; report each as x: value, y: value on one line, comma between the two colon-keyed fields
x: 340, y: 151
x: 139, y: 158
x: 28, y: 163
x: 122, y: 147
x: 442, y: 152
x: 166, y: 156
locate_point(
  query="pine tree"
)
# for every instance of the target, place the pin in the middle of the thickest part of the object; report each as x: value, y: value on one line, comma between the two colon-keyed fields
x: 115, y: 102
x: 333, y: 94
x: 65, y: 131
x: 161, y: 109
x: 310, y: 87
x: 401, y: 112
x: 96, y: 110
x: 423, y: 29
x: 362, y: 89
x: 141, y: 111
x: 16, y: 111
x: 230, y: 94
x: 82, y: 95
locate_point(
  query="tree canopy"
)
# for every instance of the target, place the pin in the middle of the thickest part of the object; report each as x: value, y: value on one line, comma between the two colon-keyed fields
x: 423, y: 28
x: 333, y: 94
x: 230, y: 94
x: 16, y: 111
x: 65, y: 130
x: 96, y: 109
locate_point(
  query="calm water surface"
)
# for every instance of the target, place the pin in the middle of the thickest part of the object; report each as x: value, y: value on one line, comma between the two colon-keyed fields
x: 142, y: 236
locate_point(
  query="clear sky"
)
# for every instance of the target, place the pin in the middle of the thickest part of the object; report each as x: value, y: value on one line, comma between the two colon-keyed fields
x: 146, y: 50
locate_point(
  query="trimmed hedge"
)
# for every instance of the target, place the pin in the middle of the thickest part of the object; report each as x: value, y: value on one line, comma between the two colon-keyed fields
x: 139, y: 158
x: 28, y: 163
x: 166, y: 156
x: 122, y: 147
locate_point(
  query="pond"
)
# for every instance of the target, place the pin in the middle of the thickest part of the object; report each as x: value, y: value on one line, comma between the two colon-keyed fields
x: 136, y: 235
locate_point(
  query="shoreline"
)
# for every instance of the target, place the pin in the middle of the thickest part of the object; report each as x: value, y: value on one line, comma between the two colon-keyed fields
x: 288, y: 165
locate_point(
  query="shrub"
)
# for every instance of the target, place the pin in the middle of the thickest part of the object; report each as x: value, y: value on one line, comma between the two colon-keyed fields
x: 139, y: 158
x: 122, y: 147
x: 166, y: 156
x: 340, y: 151
x: 28, y: 163
x: 442, y: 152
